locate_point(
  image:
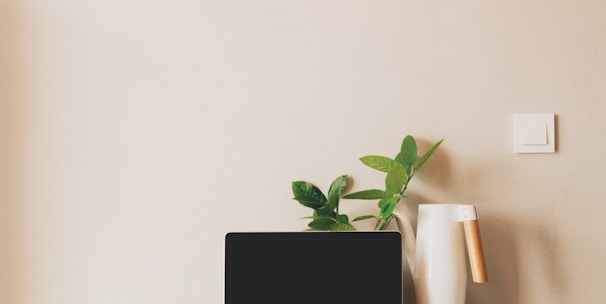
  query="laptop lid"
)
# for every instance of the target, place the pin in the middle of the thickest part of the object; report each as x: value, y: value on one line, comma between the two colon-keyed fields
x: 313, y: 268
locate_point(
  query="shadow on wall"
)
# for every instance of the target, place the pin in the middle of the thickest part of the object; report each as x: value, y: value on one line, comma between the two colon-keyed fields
x: 501, y: 261
x: 498, y: 243
x: 505, y: 261
x: 8, y: 154
x: 502, y: 247
x: 500, y: 254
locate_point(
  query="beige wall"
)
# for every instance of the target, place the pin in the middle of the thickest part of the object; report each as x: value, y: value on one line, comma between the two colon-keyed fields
x: 134, y: 134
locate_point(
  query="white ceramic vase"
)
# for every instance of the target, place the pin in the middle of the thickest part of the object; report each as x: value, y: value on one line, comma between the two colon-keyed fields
x: 440, y: 274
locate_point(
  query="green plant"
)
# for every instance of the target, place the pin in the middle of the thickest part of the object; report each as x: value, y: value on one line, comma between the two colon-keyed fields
x: 400, y: 171
x: 326, y: 214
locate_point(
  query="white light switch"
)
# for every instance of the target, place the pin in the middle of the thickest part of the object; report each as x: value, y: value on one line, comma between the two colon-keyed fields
x: 534, y: 133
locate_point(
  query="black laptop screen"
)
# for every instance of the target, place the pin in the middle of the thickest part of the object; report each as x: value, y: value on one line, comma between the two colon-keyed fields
x: 313, y: 267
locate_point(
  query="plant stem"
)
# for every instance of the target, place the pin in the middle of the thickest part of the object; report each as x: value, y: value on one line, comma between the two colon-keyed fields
x: 378, y: 224
x: 387, y: 222
x: 383, y: 223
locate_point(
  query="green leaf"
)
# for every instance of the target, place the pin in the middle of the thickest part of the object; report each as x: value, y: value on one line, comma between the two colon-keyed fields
x: 342, y: 218
x: 399, y: 158
x: 363, y: 217
x: 341, y: 227
x: 323, y: 223
x: 308, y: 195
x: 395, y: 180
x: 388, y: 208
x: 383, y: 202
x: 334, y: 193
x: 381, y: 163
x: 427, y: 154
x: 324, y: 212
x: 408, y: 151
x: 366, y: 195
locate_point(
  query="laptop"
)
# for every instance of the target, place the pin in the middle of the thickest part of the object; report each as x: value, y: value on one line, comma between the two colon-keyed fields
x: 313, y: 268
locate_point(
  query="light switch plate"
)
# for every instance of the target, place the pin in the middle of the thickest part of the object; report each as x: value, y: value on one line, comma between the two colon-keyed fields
x: 534, y: 133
